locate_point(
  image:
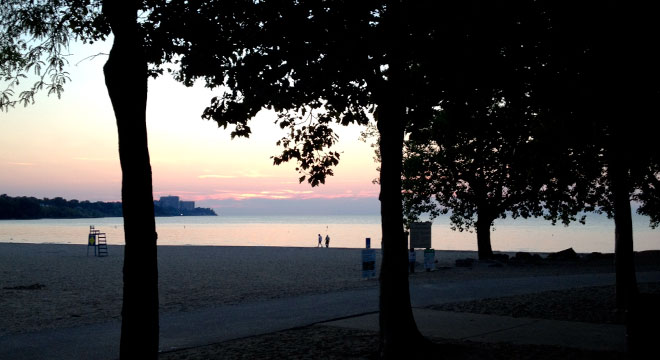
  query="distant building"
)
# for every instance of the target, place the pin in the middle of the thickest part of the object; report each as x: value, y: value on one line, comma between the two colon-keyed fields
x: 169, y: 201
x: 186, y: 205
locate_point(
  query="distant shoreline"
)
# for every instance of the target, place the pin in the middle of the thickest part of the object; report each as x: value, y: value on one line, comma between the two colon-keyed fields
x: 98, y: 217
x: 31, y: 208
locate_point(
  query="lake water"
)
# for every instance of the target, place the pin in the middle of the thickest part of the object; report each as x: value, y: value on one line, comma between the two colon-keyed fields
x: 533, y: 235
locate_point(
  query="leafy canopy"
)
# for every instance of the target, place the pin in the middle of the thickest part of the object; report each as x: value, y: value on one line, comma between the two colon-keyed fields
x: 34, y: 41
x: 494, y: 146
x: 312, y: 62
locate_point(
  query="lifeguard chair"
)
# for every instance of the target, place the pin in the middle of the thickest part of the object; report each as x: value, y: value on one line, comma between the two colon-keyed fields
x: 97, y: 240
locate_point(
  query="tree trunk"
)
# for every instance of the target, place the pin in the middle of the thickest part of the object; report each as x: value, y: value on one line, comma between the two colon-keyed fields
x: 484, y: 247
x: 626, y: 281
x: 398, y: 330
x: 126, y: 80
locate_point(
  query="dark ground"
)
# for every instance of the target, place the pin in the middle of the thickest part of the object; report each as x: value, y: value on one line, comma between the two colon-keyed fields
x: 593, y: 304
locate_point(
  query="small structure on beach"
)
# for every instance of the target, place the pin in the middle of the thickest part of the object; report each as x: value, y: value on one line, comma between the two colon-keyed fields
x: 368, y: 260
x: 98, y: 241
x: 420, y: 235
x: 420, y: 238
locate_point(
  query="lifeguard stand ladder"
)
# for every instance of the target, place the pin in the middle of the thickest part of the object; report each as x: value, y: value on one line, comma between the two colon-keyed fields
x: 97, y: 240
x: 102, y: 245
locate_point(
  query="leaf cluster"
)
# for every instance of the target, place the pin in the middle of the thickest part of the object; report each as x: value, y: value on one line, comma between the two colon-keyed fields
x: 306, y: 145
x: 34, y: 39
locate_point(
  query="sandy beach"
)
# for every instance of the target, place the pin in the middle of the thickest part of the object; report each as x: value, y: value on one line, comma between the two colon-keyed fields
x: 53, y: 285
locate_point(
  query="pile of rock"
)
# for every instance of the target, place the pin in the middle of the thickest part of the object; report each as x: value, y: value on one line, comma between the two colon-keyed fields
x: 525, y: 258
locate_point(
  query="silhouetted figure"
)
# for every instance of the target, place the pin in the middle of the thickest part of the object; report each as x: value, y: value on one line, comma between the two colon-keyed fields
x: 320, y: 241
x: 412, y: 258
x: 327, y: 240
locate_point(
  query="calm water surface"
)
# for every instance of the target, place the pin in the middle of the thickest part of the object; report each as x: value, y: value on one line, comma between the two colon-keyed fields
x: 345, y: 231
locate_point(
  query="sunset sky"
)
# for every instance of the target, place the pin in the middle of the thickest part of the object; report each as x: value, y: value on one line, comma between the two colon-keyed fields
x: 68, y: 148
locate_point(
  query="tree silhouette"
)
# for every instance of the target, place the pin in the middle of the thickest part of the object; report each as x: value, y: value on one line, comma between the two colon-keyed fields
x: 602, y: 79
x: 315, y: 63
x: 126, y: 79
x: 487, y: 152
x: 50, y: 25
x: 480, y: 169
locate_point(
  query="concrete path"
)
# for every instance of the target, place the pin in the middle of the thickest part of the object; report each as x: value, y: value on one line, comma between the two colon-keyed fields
x: 211, y: 325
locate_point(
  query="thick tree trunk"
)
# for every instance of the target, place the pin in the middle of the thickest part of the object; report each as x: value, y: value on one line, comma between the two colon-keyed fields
x: 484, y: 247
x: 398, y: 330
x: 126, y: 80
x: 617, y: 58
x: 626, y: 281
x: 635, y: 312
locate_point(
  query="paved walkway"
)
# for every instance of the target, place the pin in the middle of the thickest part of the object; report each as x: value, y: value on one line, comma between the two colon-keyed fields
x: 357, y: 308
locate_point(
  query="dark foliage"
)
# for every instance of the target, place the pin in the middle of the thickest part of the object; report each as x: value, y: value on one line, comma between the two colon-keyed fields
x: 58, y: 208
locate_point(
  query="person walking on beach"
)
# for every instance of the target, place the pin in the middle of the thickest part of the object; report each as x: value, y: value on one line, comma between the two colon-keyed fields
x: 327, y: 240
x: 320, y: 241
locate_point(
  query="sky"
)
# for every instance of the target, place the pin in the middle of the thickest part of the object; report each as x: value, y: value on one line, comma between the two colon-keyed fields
x: 68, y: 147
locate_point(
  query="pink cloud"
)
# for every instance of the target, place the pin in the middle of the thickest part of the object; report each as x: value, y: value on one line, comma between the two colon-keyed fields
x: 211, y: 176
